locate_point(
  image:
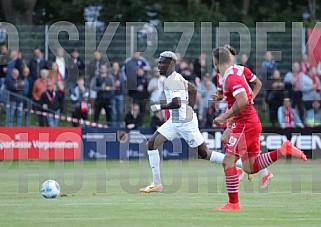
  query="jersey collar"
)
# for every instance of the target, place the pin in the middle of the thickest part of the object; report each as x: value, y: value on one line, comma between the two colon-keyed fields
x: 227, y: 72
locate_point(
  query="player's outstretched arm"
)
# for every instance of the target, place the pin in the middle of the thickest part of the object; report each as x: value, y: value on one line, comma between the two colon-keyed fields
x: 257, y: 87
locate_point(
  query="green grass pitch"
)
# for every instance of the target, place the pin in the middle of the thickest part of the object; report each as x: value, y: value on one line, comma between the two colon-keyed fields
x: 106, y: 194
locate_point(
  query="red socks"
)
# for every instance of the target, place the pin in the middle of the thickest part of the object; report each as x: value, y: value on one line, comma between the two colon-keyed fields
x: 232, y: 184
x: 266, y: 159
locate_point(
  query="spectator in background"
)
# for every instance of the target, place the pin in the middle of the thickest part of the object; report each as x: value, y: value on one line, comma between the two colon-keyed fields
x: 156, y: 86
x: 287, y: 116
x: 157, y: 120
x: 140, y: 95
x: 92, y: 93
x: 20, y: 56
x: 57, y: 82
x: 14, y: 63
x: 118, y: 100
x: 104, y: 85
x: 275, y: 96
x: 16, y: 87
x: 79, y: 96
x: 50, y: 101
x: 205, y: 89
x: 305, y: 64
x: 187, y: 72
x: 36, y: 64
x: 199, y: 66
x: 27, y: 89
x: 76, y: 68
x: 95, y: 64
x: 269, y: 65
x: 244, y: 61
x: 178, y: 62
x: 308, y: 91
x: 134, y: 119
x: 313, y: 116
x: 39, y: 87
x: 130, y: 67
x: 293, y: 84
x: 61, y: 62
x: 26, y: 92
x: 4, y: 60
x: 313, y: 74
x: 56, y: 78
x: 211, y: 113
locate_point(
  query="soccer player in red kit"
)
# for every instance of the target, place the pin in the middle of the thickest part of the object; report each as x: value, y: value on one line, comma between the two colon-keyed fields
x: 244, y: 141
x: 250, y: 77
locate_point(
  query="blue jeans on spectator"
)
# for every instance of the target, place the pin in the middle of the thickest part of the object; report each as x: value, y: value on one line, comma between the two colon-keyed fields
x: 3, y: 93
x: 14, y: 108
x: 52, y: 120
x: 117, y: 110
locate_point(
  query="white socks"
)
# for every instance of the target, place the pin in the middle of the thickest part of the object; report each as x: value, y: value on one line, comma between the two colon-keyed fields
x: 264, y: 172
x: 218, y: 157
x: 154, y: 160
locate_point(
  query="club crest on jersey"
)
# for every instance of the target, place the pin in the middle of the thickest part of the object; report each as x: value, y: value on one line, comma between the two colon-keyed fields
x: 232, y: 141
x: 233, y: 125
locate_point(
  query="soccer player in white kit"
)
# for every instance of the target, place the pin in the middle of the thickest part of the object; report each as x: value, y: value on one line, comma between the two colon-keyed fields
x: 183, y: 122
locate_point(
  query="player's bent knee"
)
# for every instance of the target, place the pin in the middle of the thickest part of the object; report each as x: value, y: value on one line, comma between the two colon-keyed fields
x: 228, y: 161
x: 248, y: 170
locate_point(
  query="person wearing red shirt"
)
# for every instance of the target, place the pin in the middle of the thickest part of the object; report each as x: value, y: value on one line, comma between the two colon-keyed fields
x: 250, y: 77
x: 244, y: 140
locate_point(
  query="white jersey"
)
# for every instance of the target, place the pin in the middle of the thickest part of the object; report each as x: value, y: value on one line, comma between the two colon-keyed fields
x: 177, y: 87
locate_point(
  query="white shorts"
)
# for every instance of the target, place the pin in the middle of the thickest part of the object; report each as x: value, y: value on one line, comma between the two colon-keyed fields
x: 188, y: 131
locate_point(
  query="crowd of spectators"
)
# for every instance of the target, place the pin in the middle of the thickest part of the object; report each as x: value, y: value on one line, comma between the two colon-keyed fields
x: 122, y: 91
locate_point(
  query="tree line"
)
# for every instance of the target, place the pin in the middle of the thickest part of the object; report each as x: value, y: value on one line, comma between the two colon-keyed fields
x: 246, y: 11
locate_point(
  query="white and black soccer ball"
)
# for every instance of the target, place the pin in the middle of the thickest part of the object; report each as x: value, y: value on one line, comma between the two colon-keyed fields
x: 50, y: 189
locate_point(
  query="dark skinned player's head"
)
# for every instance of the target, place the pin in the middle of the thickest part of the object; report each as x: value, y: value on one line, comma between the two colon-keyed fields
x: 166, y: 63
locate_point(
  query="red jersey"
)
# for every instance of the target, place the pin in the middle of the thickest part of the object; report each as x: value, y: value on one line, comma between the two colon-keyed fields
x: 248, y: 74
x: 234, y: 82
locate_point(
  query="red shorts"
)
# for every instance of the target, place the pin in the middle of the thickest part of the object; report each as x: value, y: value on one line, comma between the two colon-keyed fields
x: 244, y: 140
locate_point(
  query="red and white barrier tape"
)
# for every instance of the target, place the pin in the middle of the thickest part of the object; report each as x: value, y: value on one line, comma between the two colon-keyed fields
x: 66, y: 118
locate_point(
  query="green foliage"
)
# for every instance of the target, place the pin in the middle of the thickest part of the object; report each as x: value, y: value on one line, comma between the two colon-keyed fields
x: 47, y: 12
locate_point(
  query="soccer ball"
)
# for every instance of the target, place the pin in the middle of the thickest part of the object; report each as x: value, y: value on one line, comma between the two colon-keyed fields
x: 50, y: 189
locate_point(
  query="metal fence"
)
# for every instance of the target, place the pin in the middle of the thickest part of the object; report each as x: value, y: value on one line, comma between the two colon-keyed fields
x: 125, y: 39
x: 290, y: 42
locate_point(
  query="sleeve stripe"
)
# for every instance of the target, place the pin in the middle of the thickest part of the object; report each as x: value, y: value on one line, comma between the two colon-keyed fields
x: 253, y: 78
x: 238, y: 91
x: 220, y: 89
